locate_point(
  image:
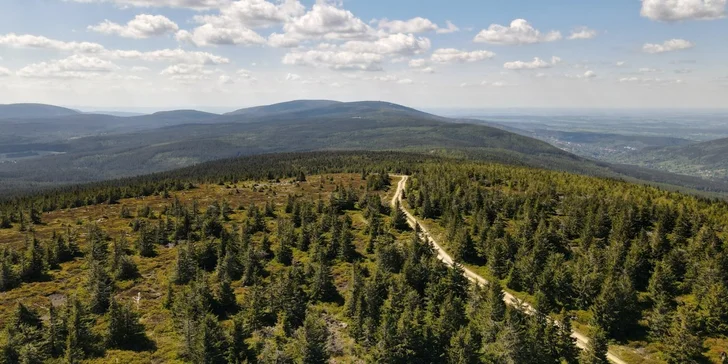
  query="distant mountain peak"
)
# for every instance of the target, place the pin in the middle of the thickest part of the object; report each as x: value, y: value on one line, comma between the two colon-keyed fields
x: 31, y: 111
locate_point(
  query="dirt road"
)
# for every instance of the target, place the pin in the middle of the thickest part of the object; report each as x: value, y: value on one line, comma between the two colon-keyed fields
x: 581, y: 340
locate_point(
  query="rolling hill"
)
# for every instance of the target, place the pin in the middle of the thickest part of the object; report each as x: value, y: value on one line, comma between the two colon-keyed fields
x: 706, y: 159
x: 22, y: 111
x: 170, y: 140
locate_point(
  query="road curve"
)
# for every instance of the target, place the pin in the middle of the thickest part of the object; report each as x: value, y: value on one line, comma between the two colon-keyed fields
x: 581, y: 340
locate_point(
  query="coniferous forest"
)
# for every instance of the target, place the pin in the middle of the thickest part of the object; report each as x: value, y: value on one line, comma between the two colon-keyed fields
x: 301, y: 258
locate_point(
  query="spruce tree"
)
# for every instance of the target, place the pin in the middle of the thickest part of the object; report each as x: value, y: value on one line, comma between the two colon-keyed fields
x: 596, y: 351
x: 682, y: 343
x: 124, y: 331
x: 99, y: 287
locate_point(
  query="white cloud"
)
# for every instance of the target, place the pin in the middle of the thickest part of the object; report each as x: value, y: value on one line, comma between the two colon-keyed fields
x: 450, y: 28
x: 4, y: 72
x: 583, y: 33
x: 418, y: 63
x: 75, y: 66
x: 190, y: 4
x: 677, y: 10
x: 142, y: 26
x: 428, y: 70
x: 140, y: 69
x: 620, y: 63
x: 589, y: 74
x: 337, y: 60
x: 170, y: 55
x: 648, y: 70
x: 282, y: 41
x: 414, y: 25
x: 452, y: 55
x: 33, y: 41
x: 518, y: 32
x: 405, y: 81
x: 683, y: 71
x: 328, y: 22
x: 537, y: 63
x: 292, y: 77
x: 187, y: 72
x: 254, y: 14
x: 208, y: 34
x: 667, y: 46
x: 399, y: 44
x: 650, y: 81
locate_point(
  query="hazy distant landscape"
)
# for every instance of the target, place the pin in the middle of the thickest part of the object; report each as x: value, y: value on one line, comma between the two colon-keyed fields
x: 47, y: 145
x: 690, y: 142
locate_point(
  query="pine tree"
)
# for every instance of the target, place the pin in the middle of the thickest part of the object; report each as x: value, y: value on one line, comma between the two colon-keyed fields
x: 81, y: 342
x: 715, y: 308
x: 322, y: 285
x: 464, y: 347
x: 186, y: 267
x: 596, y: 351
x: 55, y: 334
x: 565, y: 343
x: 238, y: 351
x: 211, y: 344
x: 682, y: 343
x: 226, y: 300
x: 124, y: 331
x: 398, y: 218
x: 310, y: 341
x: 34, y: 264
x: 99, y: 286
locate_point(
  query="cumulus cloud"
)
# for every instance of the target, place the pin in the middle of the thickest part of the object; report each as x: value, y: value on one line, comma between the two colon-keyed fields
x: 189, y: 4
x: 678, y: 10
x: 283, y: 41
x: 170, y: 55
x: 4, y: 72
x: 518, y: 32
x: 208, y: 34
x: 415, y: 25
x: 328, y: 22
x: 537, y: 63
x: 187, y: 72
x: 76, y: 66
x: 142, y: 26
x: 33, y: 41
x: 667, y: 46
x: 452, y: 55
x: 336, y: 60
x: 394, y: 44
x: 582, y: 33
x: 253, y: 14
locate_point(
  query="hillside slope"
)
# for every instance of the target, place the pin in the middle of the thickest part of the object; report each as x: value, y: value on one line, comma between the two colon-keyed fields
x: 177, y: 139
x: 8, y: 111
x: 707, y: 159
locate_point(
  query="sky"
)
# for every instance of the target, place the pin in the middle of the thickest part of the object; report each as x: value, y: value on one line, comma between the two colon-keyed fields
x: 227, y: 54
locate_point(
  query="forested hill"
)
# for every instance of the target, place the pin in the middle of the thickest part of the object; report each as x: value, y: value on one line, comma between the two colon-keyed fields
x: 290, y: 127
x: 25, y: 111
x: 298, y: 258
x: 707, y: 159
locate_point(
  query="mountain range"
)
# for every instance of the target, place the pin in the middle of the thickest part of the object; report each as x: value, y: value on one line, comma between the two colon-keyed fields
x: 42, y: 145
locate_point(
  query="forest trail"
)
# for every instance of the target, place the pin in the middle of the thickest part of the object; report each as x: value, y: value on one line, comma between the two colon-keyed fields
x: 581, y: 340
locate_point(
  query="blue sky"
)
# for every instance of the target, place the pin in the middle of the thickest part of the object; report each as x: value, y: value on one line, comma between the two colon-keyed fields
x: 423, y: 53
